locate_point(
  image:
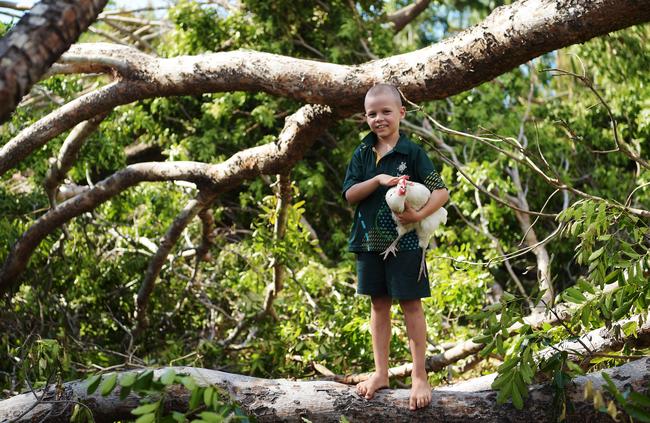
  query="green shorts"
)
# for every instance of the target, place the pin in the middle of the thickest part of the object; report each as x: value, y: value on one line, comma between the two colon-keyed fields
x: 395, y: 277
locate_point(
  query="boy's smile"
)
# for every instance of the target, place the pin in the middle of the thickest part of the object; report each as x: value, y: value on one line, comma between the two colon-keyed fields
x: 383, y: 115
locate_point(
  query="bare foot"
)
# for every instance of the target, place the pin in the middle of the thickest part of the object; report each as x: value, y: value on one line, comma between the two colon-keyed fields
x: 420, y: 393
x: 368, y: 387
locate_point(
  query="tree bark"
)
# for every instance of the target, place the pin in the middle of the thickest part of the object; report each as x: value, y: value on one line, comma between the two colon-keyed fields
x: 68, y: 155
x: 38, y: 40
x: 510, y: 36
x: 300, y: 131
x: 189, y: 212
x: 274, y: 400
x: 405, y: 15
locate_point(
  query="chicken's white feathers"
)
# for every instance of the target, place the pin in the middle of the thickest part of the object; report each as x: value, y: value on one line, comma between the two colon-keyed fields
x: 416, y: 195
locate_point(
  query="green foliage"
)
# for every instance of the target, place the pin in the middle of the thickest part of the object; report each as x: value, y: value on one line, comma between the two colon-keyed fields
x: 209, y: 404
x: 635, y: 404
x: 79, y: 287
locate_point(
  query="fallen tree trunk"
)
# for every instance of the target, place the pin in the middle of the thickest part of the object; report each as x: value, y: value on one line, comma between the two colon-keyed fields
x: 273, y: 400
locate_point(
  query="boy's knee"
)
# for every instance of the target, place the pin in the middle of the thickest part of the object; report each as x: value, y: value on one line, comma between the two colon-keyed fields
x: 381, y: 303
x: 411, y: 306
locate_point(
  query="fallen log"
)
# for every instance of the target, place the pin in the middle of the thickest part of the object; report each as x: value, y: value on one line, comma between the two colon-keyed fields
x: 273, y: 400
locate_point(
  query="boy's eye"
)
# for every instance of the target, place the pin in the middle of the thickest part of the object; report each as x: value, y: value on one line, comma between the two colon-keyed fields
x: 371, y: 115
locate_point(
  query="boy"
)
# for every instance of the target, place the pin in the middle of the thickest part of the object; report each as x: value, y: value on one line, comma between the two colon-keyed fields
x: 376, y: 164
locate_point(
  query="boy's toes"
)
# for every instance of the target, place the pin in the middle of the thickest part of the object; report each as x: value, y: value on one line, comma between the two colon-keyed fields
x: 420, y: 394
x: 361, y: 390
x: 368, y: 387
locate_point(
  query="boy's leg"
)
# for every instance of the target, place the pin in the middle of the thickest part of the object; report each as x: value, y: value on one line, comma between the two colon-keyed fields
x: 380, y: 331
x: 416, y: 327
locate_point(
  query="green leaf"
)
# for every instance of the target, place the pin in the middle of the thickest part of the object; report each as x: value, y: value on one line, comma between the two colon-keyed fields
x: 505, y: 392
x: 521, y: 386
x: 207, y: 396
x: 500, y: 347
x: 502, y: 380
x: 517, y: 401
x: 189, y: 383
x: 482, y: 339
x: 508, y: 364
x: 179, y: 417
x: 195, y: 398
x: 586, y: 286
x: 127, y: 380
x: 640, y: 399
x: 93, y: 383
x: 526, y: 372
x: 108, y: 384
x: 508, y: 296
x: 168, y: 377
x: 630, y: 328
x: 637, y: 413
x: 147, y: 418
x: 145, y: 409
x: 494, y: 307
x: 613, y: 390
x: 143, y: 380
x: 574, y: 295
x: 211, y: 417
x: 596, y: 254
x: 124, y: 392
x: 487, y: 349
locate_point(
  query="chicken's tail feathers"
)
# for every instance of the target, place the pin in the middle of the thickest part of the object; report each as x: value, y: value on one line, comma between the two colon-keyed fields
x: 440, y: 216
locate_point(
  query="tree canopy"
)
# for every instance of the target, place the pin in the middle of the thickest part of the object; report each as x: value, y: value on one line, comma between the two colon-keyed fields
x: 170, y: 196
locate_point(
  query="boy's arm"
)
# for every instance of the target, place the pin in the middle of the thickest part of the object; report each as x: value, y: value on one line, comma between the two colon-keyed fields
x: 360, y: 191
x: 436, y: 200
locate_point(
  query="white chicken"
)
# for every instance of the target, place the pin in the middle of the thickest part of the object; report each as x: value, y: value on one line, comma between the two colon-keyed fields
x: 416, y: 195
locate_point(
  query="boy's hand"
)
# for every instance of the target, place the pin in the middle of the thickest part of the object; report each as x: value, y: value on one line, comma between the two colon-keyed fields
x: 387, y: 180
x: 409, y: 215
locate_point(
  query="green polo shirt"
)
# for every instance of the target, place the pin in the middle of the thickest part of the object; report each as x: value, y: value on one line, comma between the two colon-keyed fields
x: 373, y: 228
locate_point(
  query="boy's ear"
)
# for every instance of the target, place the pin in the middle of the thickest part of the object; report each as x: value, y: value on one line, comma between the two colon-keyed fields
x: 402, y: 112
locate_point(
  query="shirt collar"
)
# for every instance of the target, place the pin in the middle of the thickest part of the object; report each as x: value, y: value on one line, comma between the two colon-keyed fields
x: 400, y: 147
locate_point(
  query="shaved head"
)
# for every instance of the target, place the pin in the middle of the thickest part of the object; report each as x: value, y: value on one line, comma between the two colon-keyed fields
x: 385, y: 89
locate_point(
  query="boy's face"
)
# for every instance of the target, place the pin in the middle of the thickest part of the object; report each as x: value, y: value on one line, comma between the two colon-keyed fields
x: 383, y: 114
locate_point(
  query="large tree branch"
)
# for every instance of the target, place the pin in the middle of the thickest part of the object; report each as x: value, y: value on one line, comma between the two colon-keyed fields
x: 272, y: 400
x: 402, y: 17
x: 38, y: 40
x: 510, y: 36
x: 300, y: 131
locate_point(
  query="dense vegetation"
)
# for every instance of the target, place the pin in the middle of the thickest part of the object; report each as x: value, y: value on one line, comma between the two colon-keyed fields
x: 74, y: 311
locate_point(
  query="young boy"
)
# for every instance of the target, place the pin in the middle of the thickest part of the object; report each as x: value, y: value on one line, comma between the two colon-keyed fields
x: 376, y: 164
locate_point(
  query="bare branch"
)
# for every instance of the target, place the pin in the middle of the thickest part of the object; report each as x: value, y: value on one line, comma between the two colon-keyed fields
x: 67, y: 155
x: 283, y: 194
x: 17, y: 5
x: 299, y: 133
x: 155, y: 265
x: 511, y: 35
x: 402, y: 17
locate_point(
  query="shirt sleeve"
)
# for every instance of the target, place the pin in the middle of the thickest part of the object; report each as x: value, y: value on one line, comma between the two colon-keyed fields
x: 427, y: 173
x: 354, y: 174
